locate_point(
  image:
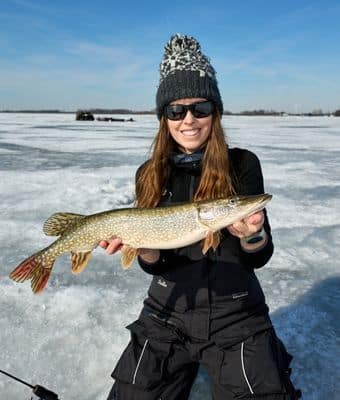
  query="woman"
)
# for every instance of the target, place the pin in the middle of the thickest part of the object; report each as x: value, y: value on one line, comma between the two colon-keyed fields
x: 207, y: 309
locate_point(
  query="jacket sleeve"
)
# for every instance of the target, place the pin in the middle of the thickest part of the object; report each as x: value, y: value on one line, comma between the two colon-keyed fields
x: 249, y: 182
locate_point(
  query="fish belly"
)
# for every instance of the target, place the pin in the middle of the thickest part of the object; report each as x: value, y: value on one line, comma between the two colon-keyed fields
x: 176, y: 242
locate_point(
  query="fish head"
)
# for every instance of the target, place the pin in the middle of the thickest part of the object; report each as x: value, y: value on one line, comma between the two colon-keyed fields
x: 217, y: 214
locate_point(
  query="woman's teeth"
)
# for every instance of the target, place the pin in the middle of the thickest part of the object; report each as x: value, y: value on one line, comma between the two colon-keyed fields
x: 190, y: 132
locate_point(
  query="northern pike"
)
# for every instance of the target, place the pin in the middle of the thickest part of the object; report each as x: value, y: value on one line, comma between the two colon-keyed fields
x: 165, y: 227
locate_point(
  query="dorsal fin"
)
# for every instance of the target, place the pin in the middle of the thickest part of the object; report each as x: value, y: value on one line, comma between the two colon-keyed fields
x: 57, y: 224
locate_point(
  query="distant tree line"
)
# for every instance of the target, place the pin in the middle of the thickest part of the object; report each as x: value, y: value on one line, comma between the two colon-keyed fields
x: 38, y: 111
x: 259, y: 112
x: 124, y: 111
x: 117, y: 111
x: 256, y: 112
x: 314, y: 113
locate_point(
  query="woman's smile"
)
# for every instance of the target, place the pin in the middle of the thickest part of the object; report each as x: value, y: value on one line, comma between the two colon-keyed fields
x: 190, y: 132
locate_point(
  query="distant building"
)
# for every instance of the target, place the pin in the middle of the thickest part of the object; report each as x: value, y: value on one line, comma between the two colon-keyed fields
x: 82, y: 115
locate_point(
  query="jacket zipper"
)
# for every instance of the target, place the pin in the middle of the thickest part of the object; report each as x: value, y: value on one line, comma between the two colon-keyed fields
x: 191, y: 187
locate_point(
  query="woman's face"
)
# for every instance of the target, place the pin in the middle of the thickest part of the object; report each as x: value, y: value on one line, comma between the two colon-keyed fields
x: 190, y: 133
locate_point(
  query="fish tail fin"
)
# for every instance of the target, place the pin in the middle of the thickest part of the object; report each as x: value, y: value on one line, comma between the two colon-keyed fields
x: 36, y: 268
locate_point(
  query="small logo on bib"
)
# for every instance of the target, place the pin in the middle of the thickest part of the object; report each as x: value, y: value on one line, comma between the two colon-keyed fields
x: 162, y: 282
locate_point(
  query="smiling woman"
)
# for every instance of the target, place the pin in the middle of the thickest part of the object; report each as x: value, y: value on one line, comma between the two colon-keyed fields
x: 202, y: 309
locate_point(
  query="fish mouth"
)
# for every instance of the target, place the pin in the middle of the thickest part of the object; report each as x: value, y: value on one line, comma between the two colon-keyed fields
x: 266, y: 197
x: 259, y: 201
x: 252, y: 203
x: 256, y: 198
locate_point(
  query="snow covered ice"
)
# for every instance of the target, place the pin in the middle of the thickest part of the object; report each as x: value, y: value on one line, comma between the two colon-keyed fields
x: 69, y: 337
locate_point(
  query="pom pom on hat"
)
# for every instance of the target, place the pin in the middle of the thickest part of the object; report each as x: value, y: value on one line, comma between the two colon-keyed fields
x: 186, y: 72
x: 184, y: 53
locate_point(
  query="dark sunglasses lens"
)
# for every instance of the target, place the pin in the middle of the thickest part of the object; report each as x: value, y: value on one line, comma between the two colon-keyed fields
x: 175, y: 112
x: 203, y: 109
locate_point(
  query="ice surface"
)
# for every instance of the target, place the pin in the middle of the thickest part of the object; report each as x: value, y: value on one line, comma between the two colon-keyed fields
x: 69, y: 338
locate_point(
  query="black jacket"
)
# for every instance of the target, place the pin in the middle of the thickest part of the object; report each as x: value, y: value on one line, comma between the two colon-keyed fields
x: 219, y: 290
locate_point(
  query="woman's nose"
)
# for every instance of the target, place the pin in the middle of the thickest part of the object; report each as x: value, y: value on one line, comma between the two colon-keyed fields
x: 189, y: 118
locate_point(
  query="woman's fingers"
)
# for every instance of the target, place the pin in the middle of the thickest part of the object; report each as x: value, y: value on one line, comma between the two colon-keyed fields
x: 255, y: 219
x: 103, y: 244
x: 247, y: 226
x: 112, y: 245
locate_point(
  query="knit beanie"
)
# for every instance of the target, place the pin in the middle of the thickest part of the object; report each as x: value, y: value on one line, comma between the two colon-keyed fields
x: 186, y: 72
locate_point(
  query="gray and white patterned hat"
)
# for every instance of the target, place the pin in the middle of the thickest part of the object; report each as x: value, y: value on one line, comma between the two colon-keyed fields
x: 186, y: 72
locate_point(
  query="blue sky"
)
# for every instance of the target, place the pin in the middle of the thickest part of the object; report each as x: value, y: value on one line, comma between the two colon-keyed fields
x: 69, y: 54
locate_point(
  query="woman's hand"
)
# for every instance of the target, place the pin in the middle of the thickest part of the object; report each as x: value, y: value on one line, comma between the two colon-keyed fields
x: 112, y: 245
x: 247, y: 226
x: 115, y: 244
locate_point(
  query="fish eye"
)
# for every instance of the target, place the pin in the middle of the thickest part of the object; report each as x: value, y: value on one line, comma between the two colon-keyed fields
x: 233, y: 202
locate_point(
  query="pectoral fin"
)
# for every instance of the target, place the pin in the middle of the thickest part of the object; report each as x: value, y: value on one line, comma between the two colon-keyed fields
x: 128, y: 255
x: 212, y: 240
x: 79, y: 261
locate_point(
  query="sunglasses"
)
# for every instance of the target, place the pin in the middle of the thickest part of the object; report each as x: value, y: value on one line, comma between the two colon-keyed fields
x: 177, y: 112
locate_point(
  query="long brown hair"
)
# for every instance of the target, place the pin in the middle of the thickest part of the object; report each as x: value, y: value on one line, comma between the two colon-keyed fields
x: 215, y: 181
